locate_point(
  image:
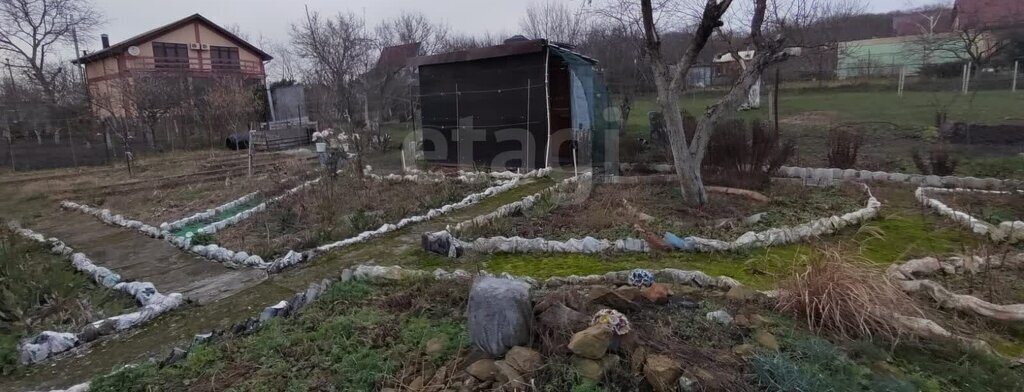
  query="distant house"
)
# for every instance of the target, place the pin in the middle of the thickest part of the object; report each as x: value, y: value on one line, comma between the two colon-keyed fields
x: 524, y: 104
x: 988, y: 14
x: 193, y: 47
x: 882, y: 57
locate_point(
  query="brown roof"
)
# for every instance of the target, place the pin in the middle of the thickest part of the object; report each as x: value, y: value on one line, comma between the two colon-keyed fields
x: 509, y: 49
x: 120, y: 47
x: 988, y: 13
x: 397, y: 56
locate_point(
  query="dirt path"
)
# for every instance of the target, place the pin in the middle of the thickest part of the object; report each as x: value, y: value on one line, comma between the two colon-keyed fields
x: 137, y: 257
x: 155, y: 340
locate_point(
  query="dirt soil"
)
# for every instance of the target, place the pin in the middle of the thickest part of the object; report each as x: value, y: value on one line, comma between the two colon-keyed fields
x: 329, y: 212
x: 604, y: 215
x: 992, y: 208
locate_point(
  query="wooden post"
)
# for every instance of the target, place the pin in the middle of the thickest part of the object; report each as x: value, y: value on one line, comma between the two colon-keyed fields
x: 903, y: 79
x: 1016, y: 69
x: 10, y: 146
x: 248, y: 146
x: 526, y: 161
x: 963, y: 80
x: 71, y: 142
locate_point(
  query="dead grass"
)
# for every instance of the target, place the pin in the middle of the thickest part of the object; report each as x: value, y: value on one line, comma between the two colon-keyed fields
x: 336, y: 209
x: 846, y: 299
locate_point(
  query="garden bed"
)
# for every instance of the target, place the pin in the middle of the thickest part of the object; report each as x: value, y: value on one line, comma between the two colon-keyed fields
x: 399, y: 332
x: 614, y: 211
x: 993, y: 208
x: 43, y: 291
x: 334, y: 210
x: 168, y: 204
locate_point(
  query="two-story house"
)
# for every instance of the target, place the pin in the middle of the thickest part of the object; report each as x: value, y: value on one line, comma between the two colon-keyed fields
x: 192, y: 47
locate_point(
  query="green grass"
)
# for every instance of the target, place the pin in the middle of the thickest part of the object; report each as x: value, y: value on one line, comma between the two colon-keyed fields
x: 41, y: 291
x: 914, y: 109
x: 811, y: 363
x: 354, y: 337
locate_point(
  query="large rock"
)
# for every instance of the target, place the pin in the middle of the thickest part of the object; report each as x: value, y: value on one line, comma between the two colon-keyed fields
x: 509, y: 376
x: 591, y: 342
x: 662, y: 372
x: 587, y: 368
x: 657, y: 293
x: 499, y: 314
x: 742, y: 293
x: 525, y: 360
x: 483, y: 370
x: 612, y: 298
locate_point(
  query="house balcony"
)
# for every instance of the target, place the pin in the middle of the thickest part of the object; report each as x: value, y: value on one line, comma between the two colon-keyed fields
x: 195, y: 66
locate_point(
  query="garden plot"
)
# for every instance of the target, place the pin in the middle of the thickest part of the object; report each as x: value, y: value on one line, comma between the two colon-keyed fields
x: 337, y: 209
x: 164, y: 204
x: 43, y: 291
x: 389, y: 328
x: 786, y: 212
x: 998, y: 215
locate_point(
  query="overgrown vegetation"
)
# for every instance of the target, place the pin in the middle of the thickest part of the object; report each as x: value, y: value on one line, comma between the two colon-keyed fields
x: 356, y: 336
x: 843, y: 146
x: 41, y: 291
x: 746, y: 157
x: 836, y: 295
x: 941, y: 160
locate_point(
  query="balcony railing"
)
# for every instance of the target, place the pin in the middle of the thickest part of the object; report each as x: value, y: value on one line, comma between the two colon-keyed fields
x: 194, y: 65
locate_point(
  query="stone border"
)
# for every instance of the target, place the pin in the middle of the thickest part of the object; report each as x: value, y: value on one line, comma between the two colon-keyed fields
x: 1008, y: 231
x: 210, y: 213
x: 293, y: 257
x: 211, y: 252
x: 905, y: 275
x: 820, y: 174
x: 214, y: 227
x: 49, y: 343
x: 749, y: 240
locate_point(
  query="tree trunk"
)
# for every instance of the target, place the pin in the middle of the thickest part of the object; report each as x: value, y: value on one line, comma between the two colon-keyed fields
x: 691, y: 184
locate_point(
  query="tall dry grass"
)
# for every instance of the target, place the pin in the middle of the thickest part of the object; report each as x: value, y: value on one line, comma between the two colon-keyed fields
x: 846, y: 298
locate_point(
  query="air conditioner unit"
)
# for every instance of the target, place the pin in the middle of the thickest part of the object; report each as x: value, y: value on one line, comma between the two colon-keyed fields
x: 194, y: 46
x: 205, y: 46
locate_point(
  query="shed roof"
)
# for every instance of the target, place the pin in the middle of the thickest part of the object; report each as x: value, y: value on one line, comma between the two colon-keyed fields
x: 510, y: 48
x: 120, y: 47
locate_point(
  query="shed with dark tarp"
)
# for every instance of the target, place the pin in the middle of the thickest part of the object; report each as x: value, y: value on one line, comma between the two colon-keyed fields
x: 483, y: 106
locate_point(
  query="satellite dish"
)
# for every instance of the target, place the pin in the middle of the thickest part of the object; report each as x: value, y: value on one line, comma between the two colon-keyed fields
x: 134, y: 50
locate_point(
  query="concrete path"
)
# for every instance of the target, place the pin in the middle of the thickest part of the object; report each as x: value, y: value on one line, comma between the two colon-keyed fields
x: 137, y: 257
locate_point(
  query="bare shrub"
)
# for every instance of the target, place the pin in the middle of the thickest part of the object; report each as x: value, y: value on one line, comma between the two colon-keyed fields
x: 940, y: 160
x: 846, y: 299
x: 746, y: 159
x: 843, y: 146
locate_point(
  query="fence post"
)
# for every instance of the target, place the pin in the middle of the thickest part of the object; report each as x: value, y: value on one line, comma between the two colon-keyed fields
x: 71, y: 142
x: 1016, y: 68
x: 252, y: 135
x: 902, y: 81
x: 10, y: 146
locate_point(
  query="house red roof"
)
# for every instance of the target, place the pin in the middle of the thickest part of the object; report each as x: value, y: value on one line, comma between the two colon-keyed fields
x: 120, y: 47
x: 987, y: 14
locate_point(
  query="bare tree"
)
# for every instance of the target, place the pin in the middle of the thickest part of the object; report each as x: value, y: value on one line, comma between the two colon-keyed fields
x: 34, y: 30
x: 555, y: 21
x: 337, y: 50
x: 412, y: 27
x: 669, y: 80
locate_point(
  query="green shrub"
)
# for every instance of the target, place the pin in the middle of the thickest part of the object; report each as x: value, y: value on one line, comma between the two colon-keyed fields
x: 203, y: 239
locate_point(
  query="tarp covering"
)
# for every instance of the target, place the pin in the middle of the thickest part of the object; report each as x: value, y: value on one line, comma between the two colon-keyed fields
x: 592, y: 121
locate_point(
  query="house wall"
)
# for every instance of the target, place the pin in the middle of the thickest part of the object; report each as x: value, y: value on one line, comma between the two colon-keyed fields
x: 105, y: 75
x: 886, y: 56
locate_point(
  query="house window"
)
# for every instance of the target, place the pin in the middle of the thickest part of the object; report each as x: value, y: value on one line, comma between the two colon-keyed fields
x: 224, y: 58
x: 167, y: 55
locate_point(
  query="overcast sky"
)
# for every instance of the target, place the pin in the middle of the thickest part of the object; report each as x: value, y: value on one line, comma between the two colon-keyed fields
x: 271, y: 18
